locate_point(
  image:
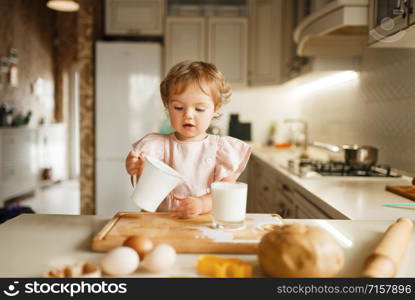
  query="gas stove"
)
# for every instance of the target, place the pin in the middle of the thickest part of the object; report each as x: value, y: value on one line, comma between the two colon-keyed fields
x: 311, y: 168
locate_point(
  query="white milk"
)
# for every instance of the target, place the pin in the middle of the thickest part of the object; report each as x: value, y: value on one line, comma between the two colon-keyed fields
x: 228, y: 201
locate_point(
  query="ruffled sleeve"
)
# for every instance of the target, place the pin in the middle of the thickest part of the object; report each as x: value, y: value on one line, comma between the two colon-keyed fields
x: 231, y: 157
x: 152, y: 144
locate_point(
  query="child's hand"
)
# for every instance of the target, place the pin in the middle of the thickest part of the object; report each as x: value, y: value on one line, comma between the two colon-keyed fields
x: 187, y: 207
x: 134, y: 163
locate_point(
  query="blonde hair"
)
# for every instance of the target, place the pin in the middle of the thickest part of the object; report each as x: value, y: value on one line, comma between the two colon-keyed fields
x: 199, y: 72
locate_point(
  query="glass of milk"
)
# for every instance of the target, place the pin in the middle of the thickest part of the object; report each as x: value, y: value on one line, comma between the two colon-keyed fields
x: 228, y: 204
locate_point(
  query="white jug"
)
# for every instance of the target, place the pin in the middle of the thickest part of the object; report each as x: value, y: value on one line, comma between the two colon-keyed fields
x: 156, y: 182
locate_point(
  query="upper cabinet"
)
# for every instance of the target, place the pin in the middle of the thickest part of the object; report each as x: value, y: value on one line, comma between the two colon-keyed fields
x: 219, y: 40
x: 266, y: 42
x: 227, y: 47
x: 134, y: 17
x: 273, y: 51
x: 392, y: 23
x: 185, y: 40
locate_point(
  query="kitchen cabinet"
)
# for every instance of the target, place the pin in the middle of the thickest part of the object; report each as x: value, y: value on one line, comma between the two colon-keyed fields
x: 51, y: 142
x: 134, y: 17
x: 390, y: 23
x: 266, y: 46
x: 185, y: 40
x: 227, y: 47
x: 18, y: 167
x: 411, y: 12
x: 261, y: 188
x: 273, y: 58
x: 271, y: 192
x: 24, y: 152
x: 219, y: 40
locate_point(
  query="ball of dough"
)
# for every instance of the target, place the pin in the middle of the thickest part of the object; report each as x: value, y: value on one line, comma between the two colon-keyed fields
x: 297, y: 250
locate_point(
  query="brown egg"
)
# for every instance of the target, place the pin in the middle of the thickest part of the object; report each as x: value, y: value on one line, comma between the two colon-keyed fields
x: 140, y: 243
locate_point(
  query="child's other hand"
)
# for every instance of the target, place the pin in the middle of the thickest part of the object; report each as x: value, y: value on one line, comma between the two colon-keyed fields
x: 189, y: 207
x: 134, y: 163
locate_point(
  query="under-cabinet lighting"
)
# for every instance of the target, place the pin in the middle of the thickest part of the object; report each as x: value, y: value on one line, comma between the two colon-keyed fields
x: 328, y: 81
x: 63, y: 5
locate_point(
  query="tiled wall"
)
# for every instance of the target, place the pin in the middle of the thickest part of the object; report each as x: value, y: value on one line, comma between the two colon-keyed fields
x: 376, y: 109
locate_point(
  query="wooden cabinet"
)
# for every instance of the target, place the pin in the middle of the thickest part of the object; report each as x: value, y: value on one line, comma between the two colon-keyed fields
x: 227, y: 47
x: 134, y: 17
x: 273, y: 59
x: 261, y: 188
x: 271, y: 192
x: 185, y: 40
x: 266, y: 45
x: 221, y: 41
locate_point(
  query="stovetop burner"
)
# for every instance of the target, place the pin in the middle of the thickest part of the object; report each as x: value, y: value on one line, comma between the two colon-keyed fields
x: 338, y: 168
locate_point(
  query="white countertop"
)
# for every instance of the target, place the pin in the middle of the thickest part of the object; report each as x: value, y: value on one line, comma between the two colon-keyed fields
x: 33, y: 243
x: 355, y: 198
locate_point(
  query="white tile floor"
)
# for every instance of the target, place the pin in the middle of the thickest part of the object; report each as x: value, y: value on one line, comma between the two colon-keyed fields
x: 61, y: 198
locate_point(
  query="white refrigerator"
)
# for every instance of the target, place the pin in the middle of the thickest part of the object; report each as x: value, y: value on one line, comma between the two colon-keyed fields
x: 128, y: 106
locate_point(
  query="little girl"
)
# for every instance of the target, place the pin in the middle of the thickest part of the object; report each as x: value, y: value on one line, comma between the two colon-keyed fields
x: 192, y: 92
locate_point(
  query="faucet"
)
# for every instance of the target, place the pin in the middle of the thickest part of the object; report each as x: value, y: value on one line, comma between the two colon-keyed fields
x: 304, y: 131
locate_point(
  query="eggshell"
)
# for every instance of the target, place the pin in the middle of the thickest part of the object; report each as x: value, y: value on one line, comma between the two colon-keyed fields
x: 161, y: 258
x: 120, y: 261
x: 140, y: 243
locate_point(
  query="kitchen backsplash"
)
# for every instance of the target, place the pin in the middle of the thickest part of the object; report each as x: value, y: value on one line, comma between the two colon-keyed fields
x: 260, y: 106
x: 376, y: 109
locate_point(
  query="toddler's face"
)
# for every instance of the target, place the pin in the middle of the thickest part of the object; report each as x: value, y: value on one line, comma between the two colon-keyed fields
x: 191, y: 113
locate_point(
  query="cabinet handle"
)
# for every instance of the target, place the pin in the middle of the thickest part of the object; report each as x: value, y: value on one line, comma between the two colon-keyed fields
x: 286, y: 188
x: 265, y: 188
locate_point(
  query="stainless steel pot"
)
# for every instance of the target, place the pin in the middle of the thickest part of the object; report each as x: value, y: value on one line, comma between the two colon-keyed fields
x: 354, y: 155
x: 360, y: 156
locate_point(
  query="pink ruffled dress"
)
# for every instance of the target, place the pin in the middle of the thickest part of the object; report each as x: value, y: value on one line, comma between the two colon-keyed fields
x: 201, y: 162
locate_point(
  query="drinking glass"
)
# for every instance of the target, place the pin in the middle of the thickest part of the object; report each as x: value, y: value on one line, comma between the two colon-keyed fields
x: 229, y: 204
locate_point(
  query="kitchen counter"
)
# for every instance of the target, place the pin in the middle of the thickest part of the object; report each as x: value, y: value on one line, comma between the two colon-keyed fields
x: 32, y: 243
x: 355, y: 198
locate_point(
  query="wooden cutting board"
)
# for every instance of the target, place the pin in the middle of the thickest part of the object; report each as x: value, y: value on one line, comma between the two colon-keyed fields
x: 405, y: 191
x: 194, y: 235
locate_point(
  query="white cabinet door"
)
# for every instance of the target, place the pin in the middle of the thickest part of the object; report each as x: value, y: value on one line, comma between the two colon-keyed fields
x: 265, y: 42
x: 18, y: 164
x: 52, y: 150
x: 185, y: 40
x: 227, y: 47
x: 134, y: 17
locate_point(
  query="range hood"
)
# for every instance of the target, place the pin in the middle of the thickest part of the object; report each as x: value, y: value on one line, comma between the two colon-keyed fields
x: 339, y: 28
